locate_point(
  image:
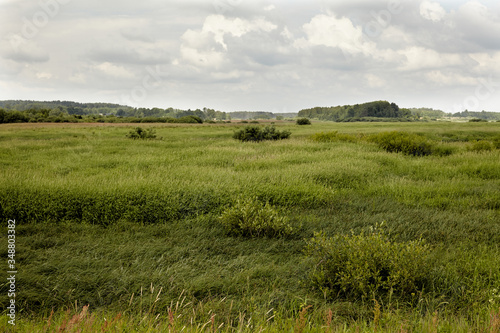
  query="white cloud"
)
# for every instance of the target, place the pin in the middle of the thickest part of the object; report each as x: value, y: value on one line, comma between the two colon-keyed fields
x: 418, y: 58
x: 432, y: 11
x: 113, y: 70
x: 22, y: 50
x: 202, y: 58
x: 234, y: 74
x: 207, y: 48
x: 44, y: 75
x: 286, y: 33
x: 78, y: 78
x: 327, y: 30
x: 220, y: 26
x: 374, y: 81
x: 450, y: 78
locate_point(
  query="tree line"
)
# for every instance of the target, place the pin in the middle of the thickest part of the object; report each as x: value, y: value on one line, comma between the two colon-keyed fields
x: 66, y: 111
x: 377, y: 109
x: 12, y: 111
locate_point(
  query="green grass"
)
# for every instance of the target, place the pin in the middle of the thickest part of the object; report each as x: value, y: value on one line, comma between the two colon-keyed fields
x: 101, y: 217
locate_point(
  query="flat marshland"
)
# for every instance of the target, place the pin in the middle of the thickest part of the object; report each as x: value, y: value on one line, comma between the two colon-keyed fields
x: 138, y: 229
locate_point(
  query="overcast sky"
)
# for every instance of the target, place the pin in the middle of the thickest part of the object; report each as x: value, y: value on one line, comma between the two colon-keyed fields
x: 279, y: 56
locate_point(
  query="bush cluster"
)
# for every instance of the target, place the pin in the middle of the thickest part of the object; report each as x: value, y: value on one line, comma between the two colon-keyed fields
x: 481, y: 146
x: 257, y: 133
x: 303, y: 121
x: 252, y: 218
x: 139, y: 133
x: 367, y: 265
x: 403, y: 142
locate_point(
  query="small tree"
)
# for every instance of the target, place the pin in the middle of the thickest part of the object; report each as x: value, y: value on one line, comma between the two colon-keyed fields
x: 303, y: 121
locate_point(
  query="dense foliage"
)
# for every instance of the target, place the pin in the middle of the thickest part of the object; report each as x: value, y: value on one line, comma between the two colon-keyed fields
x: 403, y: 142
x: 368, y: 265
x: 257, y: 133
x: 378, y: 109
x: 252, y: 218
x: 485, y: 115
x: 303, y: 121
x: 140, y: 133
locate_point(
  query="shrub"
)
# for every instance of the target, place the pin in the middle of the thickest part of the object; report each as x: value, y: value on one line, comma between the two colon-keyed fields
x: 367, y: 265
x: 256, y: 133
x: 139, y: 133
x: 496, y: 142
x: 254, y: 122
x: 303, y: 121
x: 251, y: 218
x: 189, y: 120
x: 476, y: 120
x: 406, y: 143
x: 480, y: 146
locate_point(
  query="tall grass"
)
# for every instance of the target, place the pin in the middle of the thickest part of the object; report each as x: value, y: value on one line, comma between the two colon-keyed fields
x: 101, y: 217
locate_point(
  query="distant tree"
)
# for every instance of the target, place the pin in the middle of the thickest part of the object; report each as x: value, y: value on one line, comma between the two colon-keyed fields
x: 303, y: 121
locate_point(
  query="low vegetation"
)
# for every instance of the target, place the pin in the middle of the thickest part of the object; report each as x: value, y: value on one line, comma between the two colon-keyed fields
x: 257, y: 133
x: 139, y: 133
x: 201, y: 232
x: 368, y: 266
x: 251, y: 218
x: 403, y: 142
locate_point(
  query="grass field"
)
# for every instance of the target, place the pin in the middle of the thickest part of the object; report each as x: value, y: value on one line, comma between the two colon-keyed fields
x: 132, y: 228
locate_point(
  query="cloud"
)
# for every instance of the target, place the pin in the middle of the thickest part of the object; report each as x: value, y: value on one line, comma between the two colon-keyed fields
x: 255, y: 54
x: 44, y: 75
x: 374, y: 81
x: 22, y: 50
x: 478, y: 26
x: 134, y: 35
x: 432, y: 11
x: 208, y: 47
x: 450, y: 78
x: 327, y: 30
x: 114, y: 71
x: 219, y: 26
x: 418, y: 58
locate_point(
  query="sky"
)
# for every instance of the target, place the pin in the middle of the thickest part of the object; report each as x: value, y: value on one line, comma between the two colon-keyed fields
x: 253, y: 55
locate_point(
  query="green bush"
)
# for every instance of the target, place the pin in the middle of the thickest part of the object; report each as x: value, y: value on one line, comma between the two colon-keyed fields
x: 480, y: 146
x: 367, y: 265
x: 139, y: 133
x: 256, y: 133
x: 403, y: 142
x: 189, y: 120
x: 252, y: 218
x: 476, y: 120
x: 303, y: 121
x: 496, y: 142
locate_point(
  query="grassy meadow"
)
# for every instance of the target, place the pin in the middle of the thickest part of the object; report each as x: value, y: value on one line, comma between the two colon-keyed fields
x: 132, y: 228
